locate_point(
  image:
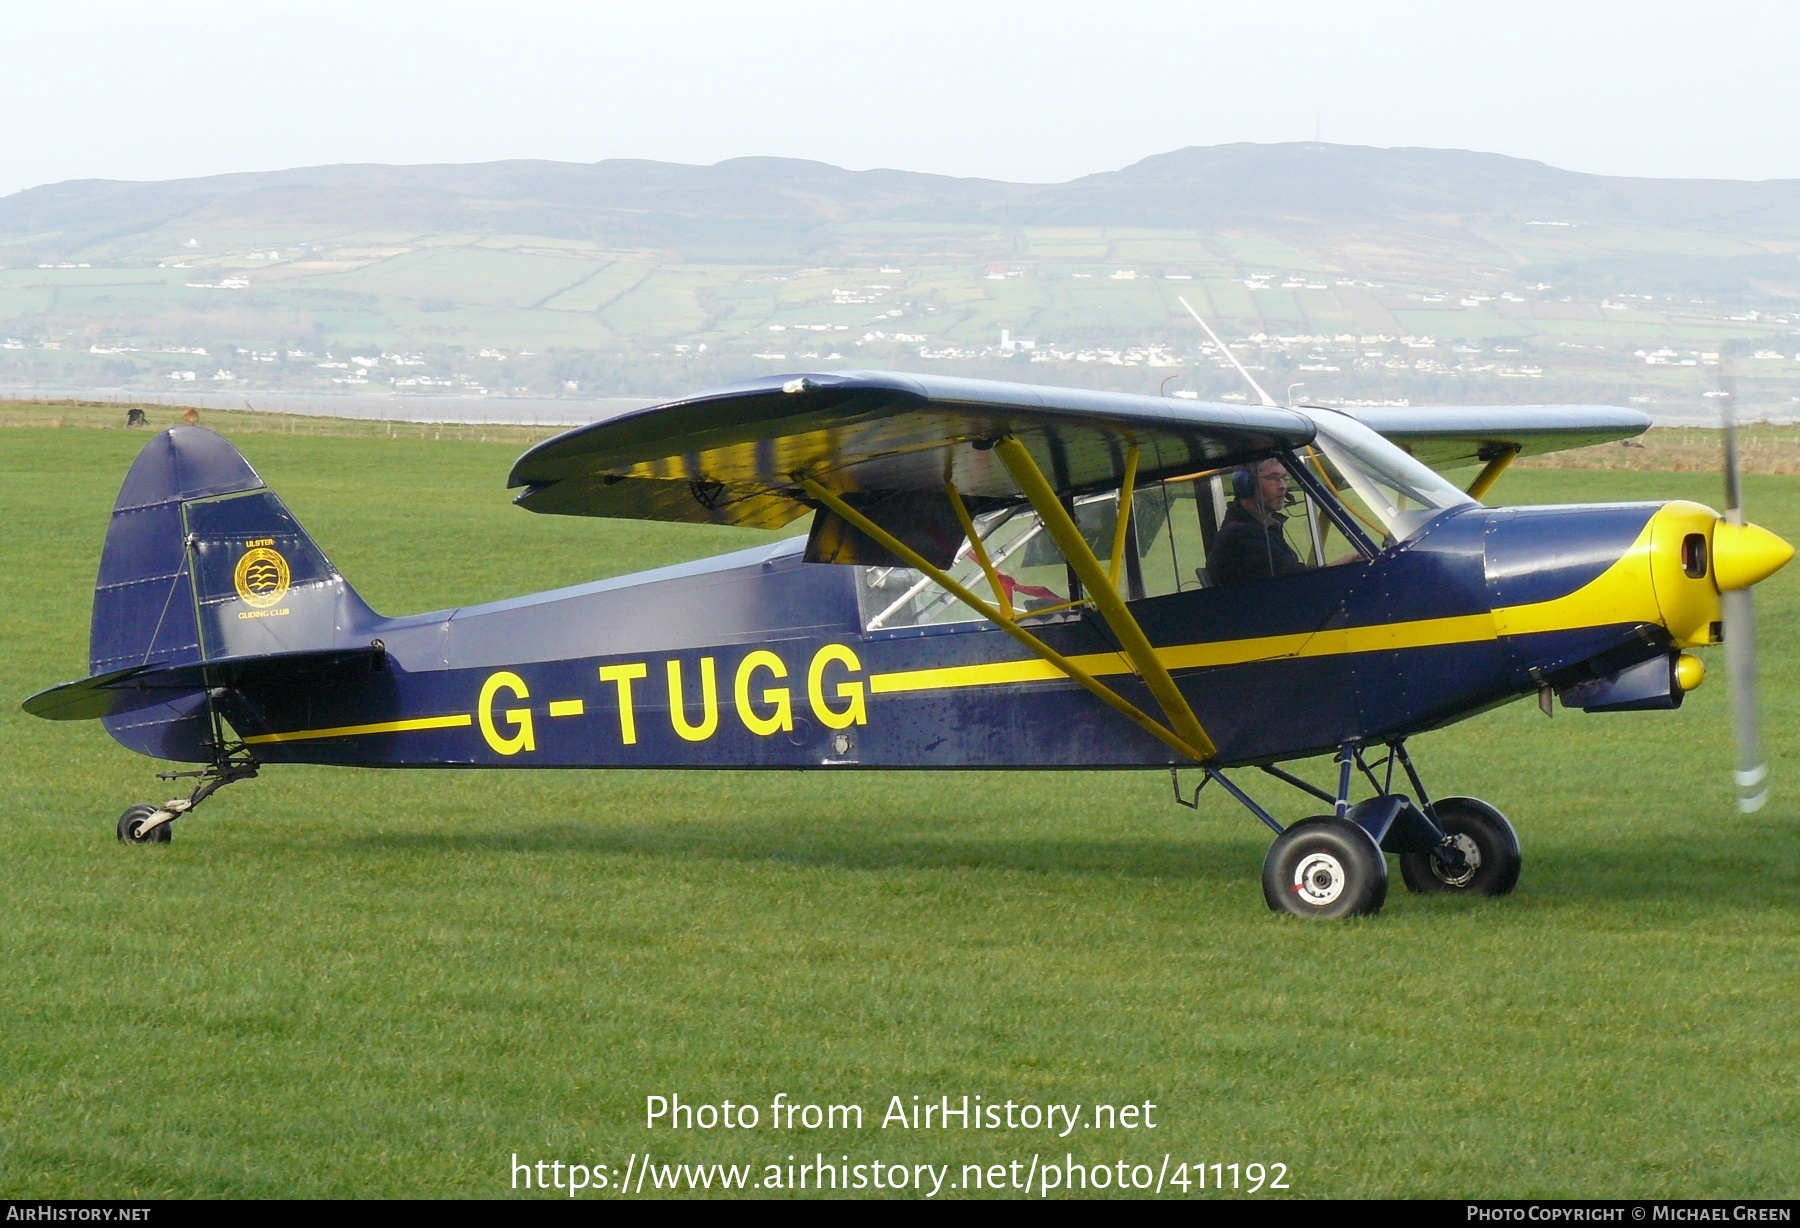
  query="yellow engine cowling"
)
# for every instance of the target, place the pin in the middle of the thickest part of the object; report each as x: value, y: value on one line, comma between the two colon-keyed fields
x: 1681, y: 571
x: 1695, y: 555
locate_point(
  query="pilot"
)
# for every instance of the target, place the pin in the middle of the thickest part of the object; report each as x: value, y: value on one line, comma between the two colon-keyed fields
x: 1250, y: 544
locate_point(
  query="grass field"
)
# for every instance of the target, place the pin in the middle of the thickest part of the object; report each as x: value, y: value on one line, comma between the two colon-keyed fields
x: 347, y: 983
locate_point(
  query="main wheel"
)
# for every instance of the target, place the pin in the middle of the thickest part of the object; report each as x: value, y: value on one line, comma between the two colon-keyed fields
x: 131, y: 825
x: 1489, y: 848
x: 1325, y: 867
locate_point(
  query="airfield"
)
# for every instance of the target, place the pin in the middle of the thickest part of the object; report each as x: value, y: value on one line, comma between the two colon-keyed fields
x: 347, y: 983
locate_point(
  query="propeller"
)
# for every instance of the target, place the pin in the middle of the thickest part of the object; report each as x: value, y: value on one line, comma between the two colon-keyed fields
x: 1739, y: 612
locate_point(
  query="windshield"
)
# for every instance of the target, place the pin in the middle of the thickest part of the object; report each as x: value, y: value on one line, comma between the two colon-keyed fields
x: 1390, y: 492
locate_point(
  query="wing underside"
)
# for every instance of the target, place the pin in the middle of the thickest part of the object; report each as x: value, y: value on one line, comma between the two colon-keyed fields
x: 737, y: 456
x: 1455, y: 437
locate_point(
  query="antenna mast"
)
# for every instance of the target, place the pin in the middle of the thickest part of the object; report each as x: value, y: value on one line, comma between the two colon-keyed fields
x: 1261, y: 396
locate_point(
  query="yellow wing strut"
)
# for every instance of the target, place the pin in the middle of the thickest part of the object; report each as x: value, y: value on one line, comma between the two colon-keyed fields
x: 1485, y: 480
x: 1198, y: 751
x: 979, y: 548
x: 1123, y: 519
x: 1061, y: 526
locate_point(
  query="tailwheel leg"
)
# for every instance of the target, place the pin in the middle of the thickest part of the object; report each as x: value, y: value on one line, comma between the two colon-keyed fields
x: 147, y: 824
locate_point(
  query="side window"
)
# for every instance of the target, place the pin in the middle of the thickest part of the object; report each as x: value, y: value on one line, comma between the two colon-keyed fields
x: 1194, y: 533
x: 1031, y: 569
x: 892, y: 597
x: 1175, y: 523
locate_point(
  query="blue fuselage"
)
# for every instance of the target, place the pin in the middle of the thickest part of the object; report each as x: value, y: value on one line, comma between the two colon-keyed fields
x: 759, y: 659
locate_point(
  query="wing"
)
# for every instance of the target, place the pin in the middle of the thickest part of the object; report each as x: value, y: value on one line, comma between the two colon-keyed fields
x: 1452, y: 437
x: 732, y: 456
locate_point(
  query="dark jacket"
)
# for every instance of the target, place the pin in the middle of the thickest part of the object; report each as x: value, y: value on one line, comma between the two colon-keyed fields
x: 1246, y: 549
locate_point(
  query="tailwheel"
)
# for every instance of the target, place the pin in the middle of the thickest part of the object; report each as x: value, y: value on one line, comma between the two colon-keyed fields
x: 1480, y: 854
x: 131, y: 826
x: 1326, y: 868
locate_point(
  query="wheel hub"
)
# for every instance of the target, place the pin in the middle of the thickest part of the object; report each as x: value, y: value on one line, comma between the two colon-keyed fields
x: 1319, y: 879
x: 1471, y: 862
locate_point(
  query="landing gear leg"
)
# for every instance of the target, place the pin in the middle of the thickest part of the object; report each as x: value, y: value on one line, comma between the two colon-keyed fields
x: 1333, y: 866
x: 232, y: 761
x: 1324, y: 867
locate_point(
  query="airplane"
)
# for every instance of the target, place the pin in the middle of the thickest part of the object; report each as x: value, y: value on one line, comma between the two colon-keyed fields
x: 996, y: 575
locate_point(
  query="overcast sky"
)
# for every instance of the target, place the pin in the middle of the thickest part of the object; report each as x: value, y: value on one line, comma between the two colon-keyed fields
x: 1041, y: 91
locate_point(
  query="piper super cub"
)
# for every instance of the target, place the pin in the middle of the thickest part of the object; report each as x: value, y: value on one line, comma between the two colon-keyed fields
x: 996, y: 576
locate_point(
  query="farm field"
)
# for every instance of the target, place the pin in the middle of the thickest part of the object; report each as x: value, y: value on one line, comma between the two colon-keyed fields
x: 344, y: 983
x: 1425, y: 275
x: 434, y: 312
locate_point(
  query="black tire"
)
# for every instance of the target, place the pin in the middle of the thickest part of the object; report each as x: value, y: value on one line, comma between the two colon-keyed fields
x: 1325, y: 868
x: 133, y: 819
x: 1489, y: 845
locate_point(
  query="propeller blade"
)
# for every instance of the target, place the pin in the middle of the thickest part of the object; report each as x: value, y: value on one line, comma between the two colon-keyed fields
x: 1739, y: 613
x: 1740, y: 665
x: 1734, y: 494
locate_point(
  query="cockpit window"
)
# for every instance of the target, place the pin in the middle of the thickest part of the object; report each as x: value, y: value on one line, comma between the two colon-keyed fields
x: 1219, y: 528
x: 1393, y: 494
x: 1183, y: 535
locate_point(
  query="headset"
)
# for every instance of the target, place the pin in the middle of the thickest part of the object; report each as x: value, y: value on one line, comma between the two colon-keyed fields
x: 1243, y: 484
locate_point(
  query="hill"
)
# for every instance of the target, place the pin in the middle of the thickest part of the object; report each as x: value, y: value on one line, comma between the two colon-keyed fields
x: 783, y: 208
x: 1384, y: 273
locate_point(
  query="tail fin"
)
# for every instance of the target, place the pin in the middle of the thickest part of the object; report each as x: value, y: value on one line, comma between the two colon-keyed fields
x: 202, y: 564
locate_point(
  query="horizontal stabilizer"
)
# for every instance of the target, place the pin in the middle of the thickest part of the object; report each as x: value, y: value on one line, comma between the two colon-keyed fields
x: 128, y: 690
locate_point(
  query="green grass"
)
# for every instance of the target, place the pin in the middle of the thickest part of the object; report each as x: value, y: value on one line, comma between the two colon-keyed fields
x: 471, y: 275
x: 347, y: 983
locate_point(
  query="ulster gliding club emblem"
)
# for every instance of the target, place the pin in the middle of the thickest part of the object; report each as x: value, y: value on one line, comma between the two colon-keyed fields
x: 261, y: 577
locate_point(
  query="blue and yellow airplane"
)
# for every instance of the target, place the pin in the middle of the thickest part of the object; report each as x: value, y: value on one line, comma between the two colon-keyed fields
x: 997, y: 576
